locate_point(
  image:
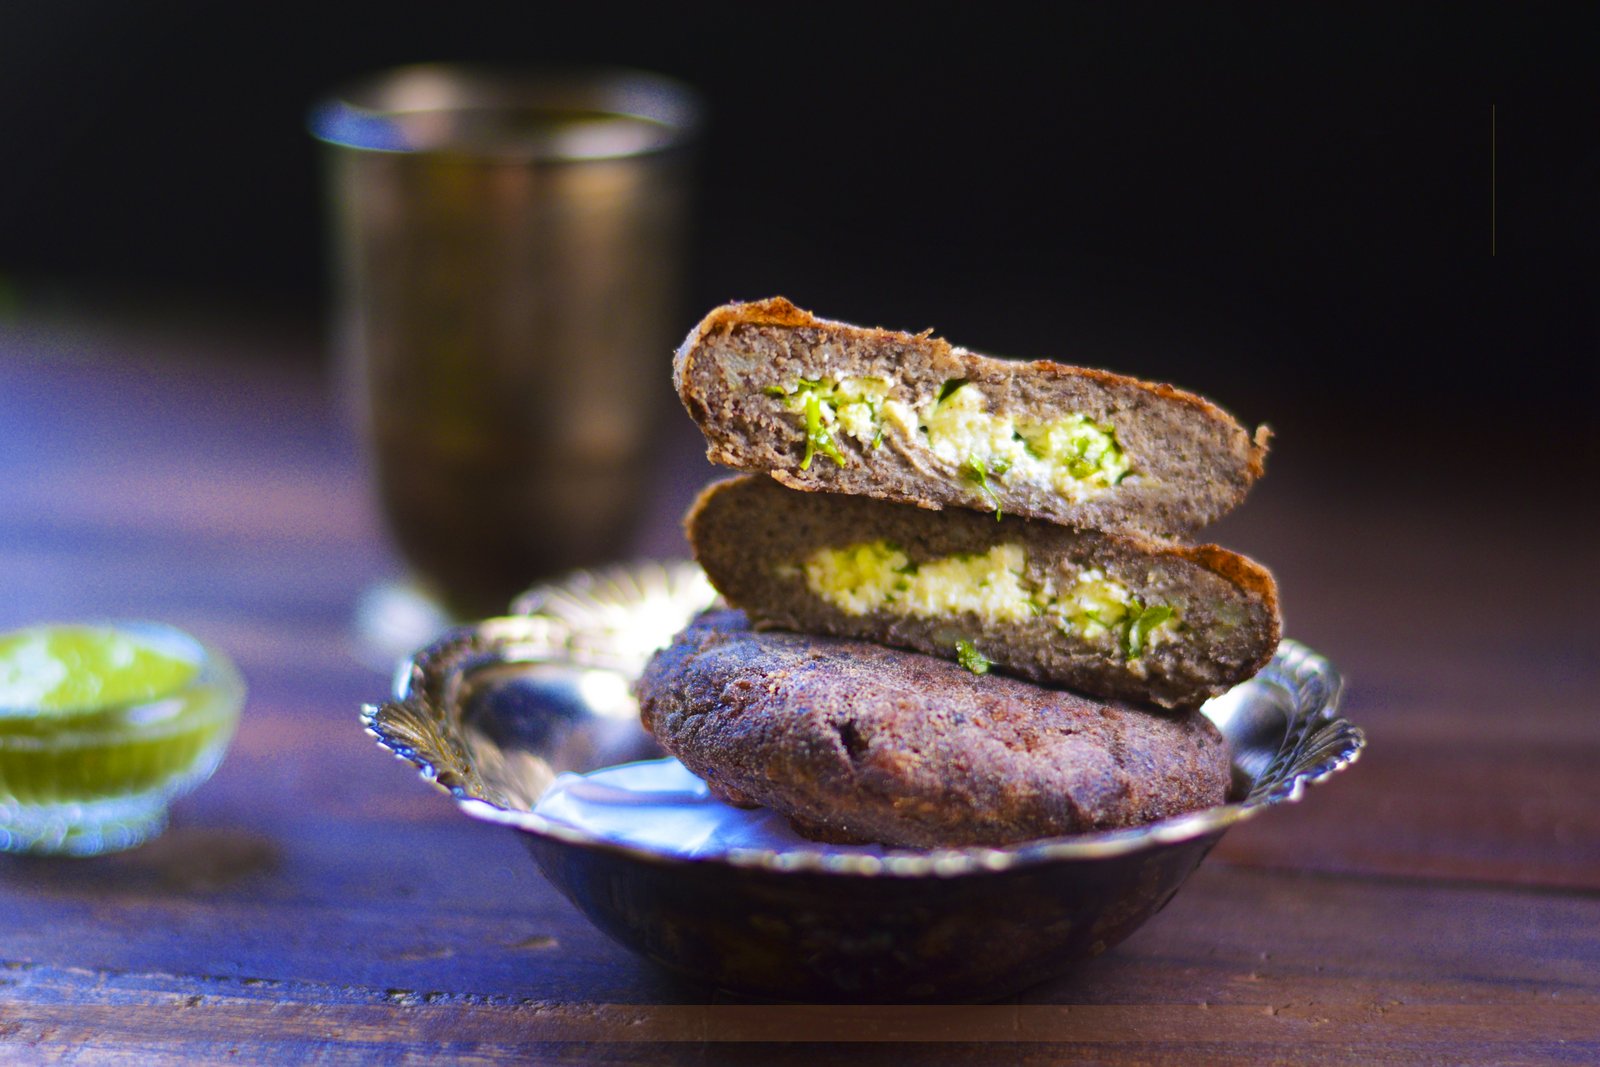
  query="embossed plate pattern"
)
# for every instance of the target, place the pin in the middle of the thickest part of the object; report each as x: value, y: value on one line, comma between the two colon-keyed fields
x: 490, y: 713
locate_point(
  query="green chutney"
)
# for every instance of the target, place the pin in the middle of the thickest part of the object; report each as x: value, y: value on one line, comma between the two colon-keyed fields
x: 90, y: 713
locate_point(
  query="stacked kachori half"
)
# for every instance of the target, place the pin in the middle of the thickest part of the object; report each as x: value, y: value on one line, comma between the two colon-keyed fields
x: 920, y: 513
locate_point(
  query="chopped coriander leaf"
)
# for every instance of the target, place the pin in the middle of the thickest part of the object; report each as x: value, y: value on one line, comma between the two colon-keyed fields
x: 828, y: 408
x: 968, y: 656
x: 1072, y: 453
x: 1140, y: 623
x: 818, y: 439
x: 976, y: 471
x: 949, y: 387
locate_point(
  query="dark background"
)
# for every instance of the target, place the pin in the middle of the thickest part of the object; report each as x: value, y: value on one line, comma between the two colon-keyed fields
x: 1274, y: 203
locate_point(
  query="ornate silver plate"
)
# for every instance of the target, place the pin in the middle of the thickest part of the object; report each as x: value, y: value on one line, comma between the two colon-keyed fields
x: 491, y: 713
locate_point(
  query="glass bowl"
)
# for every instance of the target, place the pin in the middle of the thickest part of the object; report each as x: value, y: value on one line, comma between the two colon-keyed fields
x: 100, y: 778
x: 492, y: 713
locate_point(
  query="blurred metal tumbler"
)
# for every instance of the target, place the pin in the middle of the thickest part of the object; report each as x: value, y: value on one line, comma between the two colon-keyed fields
x: 508, y: 252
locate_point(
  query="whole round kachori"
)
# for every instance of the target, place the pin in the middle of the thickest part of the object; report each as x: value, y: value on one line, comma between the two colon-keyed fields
x: 853, y: 741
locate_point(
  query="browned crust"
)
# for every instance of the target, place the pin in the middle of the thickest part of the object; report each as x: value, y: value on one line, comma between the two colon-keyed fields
x: 773, y: 311
x: 780, y: 312
x: 1261, y: 442
x: 743, y: 527
x: 1238, y: 570
x: 1241, y: 571
x: 855, y: 742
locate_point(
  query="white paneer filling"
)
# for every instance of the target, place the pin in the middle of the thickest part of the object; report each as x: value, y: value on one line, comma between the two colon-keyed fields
x: 878, y: 576
x: 1074, y: 456
x: 827, y: 407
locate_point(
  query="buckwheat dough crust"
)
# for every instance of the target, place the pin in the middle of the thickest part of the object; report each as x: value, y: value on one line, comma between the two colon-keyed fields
x: 857, y: 742
x: 1190, y: 460
x: 753, y: 536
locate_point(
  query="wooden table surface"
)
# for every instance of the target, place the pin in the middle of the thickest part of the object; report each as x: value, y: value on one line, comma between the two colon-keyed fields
x: 1438, y: 903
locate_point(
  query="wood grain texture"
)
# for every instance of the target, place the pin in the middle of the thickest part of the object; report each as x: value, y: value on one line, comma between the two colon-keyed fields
x: 314, y: 902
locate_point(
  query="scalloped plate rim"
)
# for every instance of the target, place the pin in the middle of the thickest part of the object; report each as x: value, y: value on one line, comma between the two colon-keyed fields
x: 1351, y: 741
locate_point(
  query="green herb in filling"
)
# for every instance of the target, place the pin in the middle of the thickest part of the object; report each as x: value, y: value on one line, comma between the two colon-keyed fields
x: 818, y: 439
x: 1140, y: 622
x: 828, y: 408
x: 968, y: 656
x: 1100, y: 608
x: 976, y: 470
x: 994, y: 587
x: 1073, y: 454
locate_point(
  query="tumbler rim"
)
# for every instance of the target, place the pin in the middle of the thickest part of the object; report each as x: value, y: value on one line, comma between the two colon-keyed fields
x: 605, y: 112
